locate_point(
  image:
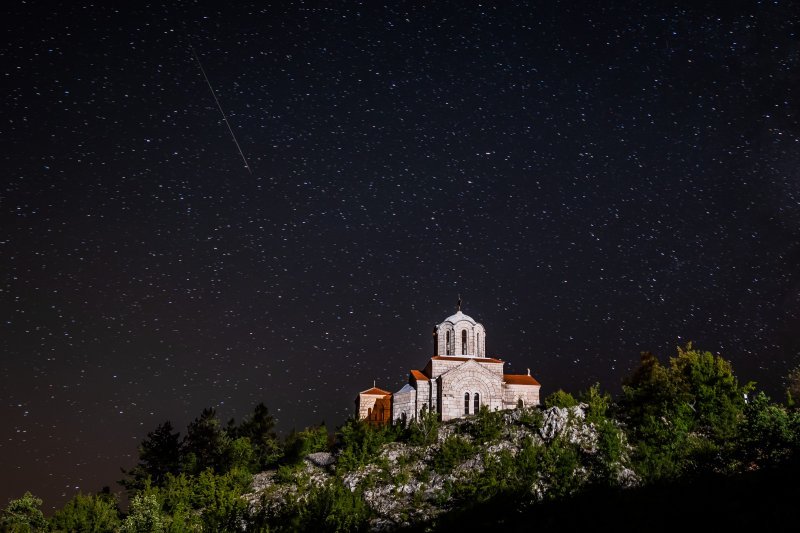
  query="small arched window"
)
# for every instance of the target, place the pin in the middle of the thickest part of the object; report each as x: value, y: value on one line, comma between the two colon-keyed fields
x: 448, y: 351
x: 466, y: 403
x: 478, y: 344
x: 463, y: 342
x: 477, y: 403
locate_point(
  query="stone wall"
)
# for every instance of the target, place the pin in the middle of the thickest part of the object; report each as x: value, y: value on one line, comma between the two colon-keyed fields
x: 471, y: 378
x: 440, y: 366
x: 366, y: 403
x: 529, y: 394
x: 404, y: 404
x: 423, y: 396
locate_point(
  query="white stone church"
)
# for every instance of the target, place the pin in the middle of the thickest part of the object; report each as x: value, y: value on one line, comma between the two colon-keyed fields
x: 456, y: 382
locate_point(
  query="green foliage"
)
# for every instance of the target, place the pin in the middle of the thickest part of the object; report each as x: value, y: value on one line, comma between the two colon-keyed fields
x: 453, y: 451
x: 329, y: 507
x: 487, y: 425
x: 531, y: 417
x: 334, y: 508
x: 208, y: 499
x: 145, y: 516
x: 682, y: 416
x: 206, y: 444
x: 310, y: 440
x: 560, y: 399
x: 706, y: 382
x: 259, y: 428
x: 793, y: 387
x: 360, y: 443
x: 240, y: 455
x: 23, y: 515
x: 606, y: 462
x: 769, y: 433
x: 499, y: 477
x: 159, y: 454
x: 597, y: 403
x: 557, y: 467
x: 423, y: 430
x: 87, y: 513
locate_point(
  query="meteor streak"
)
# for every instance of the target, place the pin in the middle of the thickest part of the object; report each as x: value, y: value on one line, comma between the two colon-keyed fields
x: 214, y: 94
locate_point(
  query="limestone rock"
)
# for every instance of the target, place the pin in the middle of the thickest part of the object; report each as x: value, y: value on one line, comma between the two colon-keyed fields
x: 321, y: 459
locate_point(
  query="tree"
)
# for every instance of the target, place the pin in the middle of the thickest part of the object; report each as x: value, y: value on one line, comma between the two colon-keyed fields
x: 424, y: 429
x: 23, y: 515
x: 260, y: 429
x: 598, y: 404
x: 487, y: 425
x: 310, y: 440
x: 707, y: 384
x: 767, y: 434
x: 682, y: 415
x: 560, y: 399
x: 359, y: 442
x: 793, y: 387
x: 87, y: 513
x: 145, y: 516
x: 205, y: 444
x: 160, y: 453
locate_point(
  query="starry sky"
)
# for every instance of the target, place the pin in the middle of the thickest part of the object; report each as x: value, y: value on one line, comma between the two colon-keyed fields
x: 594, y: 181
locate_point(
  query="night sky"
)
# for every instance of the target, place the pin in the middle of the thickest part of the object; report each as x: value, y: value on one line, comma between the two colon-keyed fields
x: 593, y: 181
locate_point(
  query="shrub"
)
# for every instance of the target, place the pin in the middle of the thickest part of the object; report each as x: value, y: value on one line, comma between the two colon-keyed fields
x: 560, y: 399
x: 454, y: 451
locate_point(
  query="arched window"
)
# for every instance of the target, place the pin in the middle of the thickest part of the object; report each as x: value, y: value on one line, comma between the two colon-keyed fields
x: 463, y: 342
x: 477, y: 403
x: 466, y: 403
x: 448, y: 351
x: 478, y: 344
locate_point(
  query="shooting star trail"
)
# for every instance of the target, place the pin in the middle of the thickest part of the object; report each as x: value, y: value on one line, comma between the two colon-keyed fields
x: 214, y: 94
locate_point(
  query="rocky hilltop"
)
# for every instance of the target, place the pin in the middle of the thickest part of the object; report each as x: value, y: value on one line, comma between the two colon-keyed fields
x: 539, y: 454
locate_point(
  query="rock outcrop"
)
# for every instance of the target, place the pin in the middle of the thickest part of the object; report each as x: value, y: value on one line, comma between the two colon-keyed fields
x: 406, y: 484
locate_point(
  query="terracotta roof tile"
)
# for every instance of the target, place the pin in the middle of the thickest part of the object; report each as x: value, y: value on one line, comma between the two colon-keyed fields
x: 451, y: 358
x: 419, y: 376
x: 520, y: 379
x: 376, y: 391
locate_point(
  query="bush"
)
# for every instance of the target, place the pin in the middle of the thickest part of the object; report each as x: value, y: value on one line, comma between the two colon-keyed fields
x: 300, y: 444
x: 424, y: 429
x: 454, y: 451
x: 359, y: 443
x: 487, y: 425
x: 560, y: 399
x: 531, y: 417
x: 87, y: 513
x: 23, y: 515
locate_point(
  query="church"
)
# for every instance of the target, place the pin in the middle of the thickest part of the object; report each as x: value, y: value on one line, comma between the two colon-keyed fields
x: 457, y: 381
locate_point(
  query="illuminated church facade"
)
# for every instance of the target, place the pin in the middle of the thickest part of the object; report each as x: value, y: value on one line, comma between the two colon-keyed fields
x: 457, y: 381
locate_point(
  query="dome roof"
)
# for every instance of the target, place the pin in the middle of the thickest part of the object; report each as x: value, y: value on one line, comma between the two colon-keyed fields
x: 458, y: 317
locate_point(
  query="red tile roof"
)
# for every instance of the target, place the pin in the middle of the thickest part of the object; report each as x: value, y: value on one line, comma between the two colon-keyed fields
x: 479, y: 359
x: 419, y: 376
x: 376, y: 391
x: 520, y: 379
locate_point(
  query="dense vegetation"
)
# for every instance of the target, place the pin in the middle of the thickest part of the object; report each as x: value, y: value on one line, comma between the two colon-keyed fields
x: 679, y: 432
